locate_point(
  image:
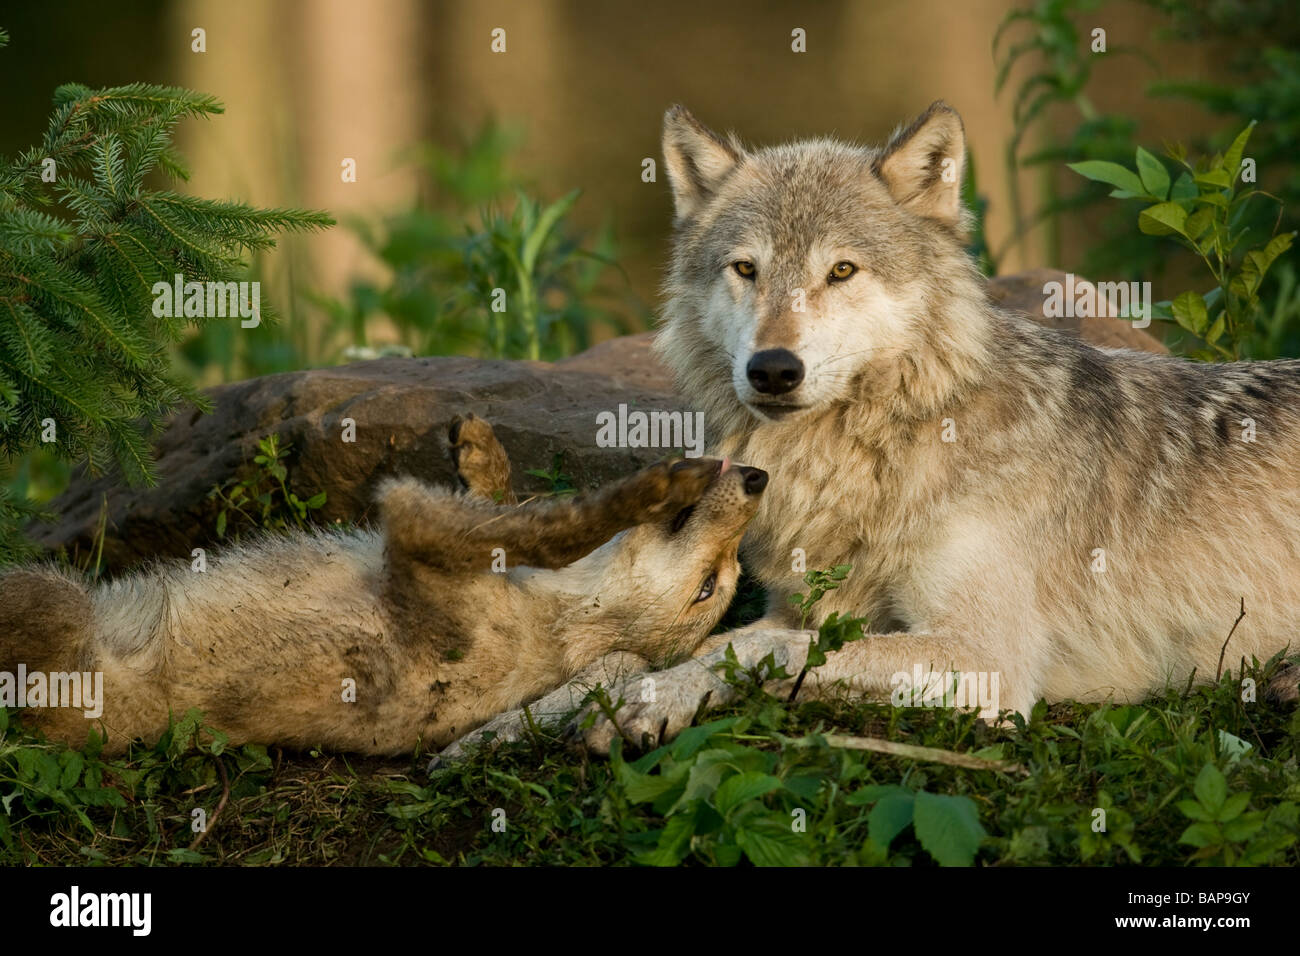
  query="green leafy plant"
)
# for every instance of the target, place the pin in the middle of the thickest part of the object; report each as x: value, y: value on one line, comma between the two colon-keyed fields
x: 1203, y: 211
x: 948, y: 828
x: 820, y: 583
x: 84, y: 359
x: 262, y: 499
x: 1045, y: 36
x: 835, y: 631
x: 558, y: 481
x: 484, y: 268
x: 1224, y: 832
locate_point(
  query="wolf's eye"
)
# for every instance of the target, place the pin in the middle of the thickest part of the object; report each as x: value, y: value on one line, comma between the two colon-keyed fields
x: 744, y: 268
x: 841, y: 271
x: 706, y: 589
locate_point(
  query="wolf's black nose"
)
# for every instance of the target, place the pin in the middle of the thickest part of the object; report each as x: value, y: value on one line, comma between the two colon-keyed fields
x: 774, y: 371
x: 755, y: 479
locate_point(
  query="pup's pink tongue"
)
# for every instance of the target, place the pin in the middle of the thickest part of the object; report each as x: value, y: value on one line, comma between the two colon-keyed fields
x: 726, y: 463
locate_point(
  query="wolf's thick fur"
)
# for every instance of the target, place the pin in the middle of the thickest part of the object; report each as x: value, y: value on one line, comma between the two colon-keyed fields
x: 985, y: 552
x: 436, y: 643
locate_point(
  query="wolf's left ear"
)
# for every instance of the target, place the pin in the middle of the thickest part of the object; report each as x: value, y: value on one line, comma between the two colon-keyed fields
x: 923, y: 165
x: 697, y: 160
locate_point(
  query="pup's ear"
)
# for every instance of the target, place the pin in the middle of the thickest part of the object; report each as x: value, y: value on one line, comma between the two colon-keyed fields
x: 923, y: 164
x: 697, y: 160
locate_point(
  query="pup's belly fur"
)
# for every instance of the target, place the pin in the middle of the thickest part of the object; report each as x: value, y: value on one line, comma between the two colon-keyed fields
x: 265, y: 642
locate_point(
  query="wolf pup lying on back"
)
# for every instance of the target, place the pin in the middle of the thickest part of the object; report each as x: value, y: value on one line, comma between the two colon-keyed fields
x: 1081, y: 522
x: 436, y: 643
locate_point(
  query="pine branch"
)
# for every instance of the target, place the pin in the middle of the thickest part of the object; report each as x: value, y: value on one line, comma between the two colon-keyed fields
x: 80, y: 256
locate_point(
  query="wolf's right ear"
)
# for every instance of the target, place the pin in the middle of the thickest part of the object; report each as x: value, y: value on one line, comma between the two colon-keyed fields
x: 922, y: 165
x: 697, y: 160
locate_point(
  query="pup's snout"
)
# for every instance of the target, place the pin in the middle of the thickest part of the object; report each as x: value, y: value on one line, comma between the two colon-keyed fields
x: 755, y: 479
x: 774, y: 371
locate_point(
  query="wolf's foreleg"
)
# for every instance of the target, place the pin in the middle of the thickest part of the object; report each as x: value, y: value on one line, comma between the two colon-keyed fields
x: 680, y: 692
x: 908, y: 669
x: 612, y: 672
x: 930, y: 669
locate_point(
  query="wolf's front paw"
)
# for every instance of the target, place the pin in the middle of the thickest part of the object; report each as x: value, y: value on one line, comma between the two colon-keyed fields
x: 657, y: 708
x: 481, y: 462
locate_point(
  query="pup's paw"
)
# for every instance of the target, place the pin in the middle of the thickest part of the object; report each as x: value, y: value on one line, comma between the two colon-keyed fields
x: 481, y: 462
x: 662, y: 490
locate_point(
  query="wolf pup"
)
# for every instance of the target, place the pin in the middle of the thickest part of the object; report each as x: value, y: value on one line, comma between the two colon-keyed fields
x: 1082, y: 523
x: 370, y: 641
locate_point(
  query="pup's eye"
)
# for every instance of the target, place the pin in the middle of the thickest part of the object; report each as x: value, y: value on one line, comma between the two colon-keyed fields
x: 706, y: 589
x: 744, y: 268
x: 841, y: 271
x: 679, y: 521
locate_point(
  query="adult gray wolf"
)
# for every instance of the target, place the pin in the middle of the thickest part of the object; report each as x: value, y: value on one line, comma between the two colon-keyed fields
x: 374, y: 640
x: 1083, y: 523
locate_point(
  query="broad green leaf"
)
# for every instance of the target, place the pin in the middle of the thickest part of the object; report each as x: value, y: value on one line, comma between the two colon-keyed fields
x: 1198, y: 222
x: 769, y: 841
x: 73, y: 763
x: 693, y: 738
x: 1193, y: 810
x: 1183, y: 188
x: 643, y: 787
x: 1232, y: 158
x: 1233, y: 807
x: 1200, y: 835
x: 948, y: 828
x: 1243, y: 829
x: 1257, y: 262
x: 1162, y: 219
x: 742, y: 787
x: 674, y: 842
x: 1210, y: 788
x: 1189, y: 311
x: 1217, y: 177
x: 707, y: 771
x: 890, y: 817
x: 1154, y: 175
x: 1112, y: 174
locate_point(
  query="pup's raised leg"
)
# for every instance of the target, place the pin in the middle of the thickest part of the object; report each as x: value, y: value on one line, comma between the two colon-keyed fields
x: 443, y: 530
x: 481, y: 462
